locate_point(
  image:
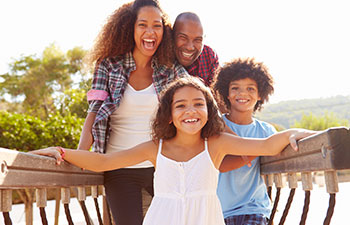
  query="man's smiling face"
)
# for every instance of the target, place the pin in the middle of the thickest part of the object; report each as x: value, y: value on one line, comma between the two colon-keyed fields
x: 188, y: 41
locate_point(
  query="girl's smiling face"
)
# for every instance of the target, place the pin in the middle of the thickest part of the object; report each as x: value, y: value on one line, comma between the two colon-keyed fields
x: 148, y: 30
x: 189, y: 110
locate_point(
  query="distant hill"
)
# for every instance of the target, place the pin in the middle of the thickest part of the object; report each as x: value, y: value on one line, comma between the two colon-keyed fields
x: 285, y: 113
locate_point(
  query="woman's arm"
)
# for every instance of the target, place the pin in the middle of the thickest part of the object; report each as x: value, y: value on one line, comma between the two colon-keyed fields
x: 86, y: 138
x: 102, y: 162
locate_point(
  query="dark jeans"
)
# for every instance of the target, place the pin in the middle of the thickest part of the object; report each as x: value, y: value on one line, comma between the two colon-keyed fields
x: 124, y: 196
x: 253, y: 219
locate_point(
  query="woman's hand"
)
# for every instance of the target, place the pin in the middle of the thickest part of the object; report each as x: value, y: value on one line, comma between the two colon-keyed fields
x: 298, y: 134
x: 50, y: 151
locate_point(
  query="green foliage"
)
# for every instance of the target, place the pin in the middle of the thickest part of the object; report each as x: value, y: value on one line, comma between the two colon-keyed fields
x: 320, y: 122
x: 74, y: 102
x: 34, y: 82
x: 24, y: 132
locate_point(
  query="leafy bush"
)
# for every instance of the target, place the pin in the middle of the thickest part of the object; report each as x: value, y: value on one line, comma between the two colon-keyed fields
x: 24, y: 132
x: 320, y: 122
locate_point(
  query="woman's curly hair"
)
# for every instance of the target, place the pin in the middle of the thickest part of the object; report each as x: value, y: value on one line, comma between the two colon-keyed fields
x: 240, y: 69
x: 160, y: 125
x: 117, y: 36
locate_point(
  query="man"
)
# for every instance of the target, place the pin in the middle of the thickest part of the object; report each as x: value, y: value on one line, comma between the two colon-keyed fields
x: 198, y: 59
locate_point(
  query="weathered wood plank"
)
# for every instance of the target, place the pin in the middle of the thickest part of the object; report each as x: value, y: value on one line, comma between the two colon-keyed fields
x: 19, y: 169
x: 329, y: 150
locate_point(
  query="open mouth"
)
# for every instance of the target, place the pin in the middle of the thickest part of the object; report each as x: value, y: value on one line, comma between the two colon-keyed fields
x: 242, y: 100
x: 191, y: 120
x: 149, y: 43
x: 187, y: 55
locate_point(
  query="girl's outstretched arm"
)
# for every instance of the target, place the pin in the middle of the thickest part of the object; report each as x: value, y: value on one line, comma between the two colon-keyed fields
x: 102, y: 162
x: 230, y: 144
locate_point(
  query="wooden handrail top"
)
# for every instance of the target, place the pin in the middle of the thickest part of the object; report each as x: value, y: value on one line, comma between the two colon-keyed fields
x: 20, y: 169
x: 328, y: 150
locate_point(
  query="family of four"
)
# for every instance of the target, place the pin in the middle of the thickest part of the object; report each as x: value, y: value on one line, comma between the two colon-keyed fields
x: 153, y: 123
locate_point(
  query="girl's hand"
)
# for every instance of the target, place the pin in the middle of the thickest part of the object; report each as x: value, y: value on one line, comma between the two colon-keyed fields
x: 298, y: 134
x: 52, y: 152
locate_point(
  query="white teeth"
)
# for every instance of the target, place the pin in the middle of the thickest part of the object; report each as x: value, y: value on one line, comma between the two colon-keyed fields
x: 191, y: 120
x: 242, y: 100
x: 148, y: 40
x: 186, y: 54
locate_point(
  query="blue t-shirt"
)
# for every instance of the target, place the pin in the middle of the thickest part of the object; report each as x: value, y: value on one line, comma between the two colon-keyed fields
x: 242, y: 191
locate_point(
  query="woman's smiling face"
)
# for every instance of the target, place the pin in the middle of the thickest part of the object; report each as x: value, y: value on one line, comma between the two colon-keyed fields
x: 148, y: 30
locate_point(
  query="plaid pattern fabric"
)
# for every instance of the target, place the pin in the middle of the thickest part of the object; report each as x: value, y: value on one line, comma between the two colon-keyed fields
x: 111, y: 75
x: 253, y: 219
x: 205, y: 66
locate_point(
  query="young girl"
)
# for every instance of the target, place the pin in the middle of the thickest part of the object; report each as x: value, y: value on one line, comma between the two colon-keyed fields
x: 186, y: 149
x: 134, y: 62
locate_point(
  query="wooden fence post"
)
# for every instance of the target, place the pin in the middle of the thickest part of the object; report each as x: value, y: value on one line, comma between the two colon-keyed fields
x: 306, y: 179
x: 331, y: 179
x: 41, y: 197
x: 292, y: 180
x: 5, y: 200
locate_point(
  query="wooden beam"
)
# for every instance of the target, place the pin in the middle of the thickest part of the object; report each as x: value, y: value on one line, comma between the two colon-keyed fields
x: 329, y: 150
x: 20, y: 169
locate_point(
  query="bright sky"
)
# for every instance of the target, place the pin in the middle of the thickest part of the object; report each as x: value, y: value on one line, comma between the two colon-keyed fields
x: 304, y: 43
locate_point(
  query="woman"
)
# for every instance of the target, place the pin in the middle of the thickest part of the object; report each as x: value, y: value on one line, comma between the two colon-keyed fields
x: 134, y: 62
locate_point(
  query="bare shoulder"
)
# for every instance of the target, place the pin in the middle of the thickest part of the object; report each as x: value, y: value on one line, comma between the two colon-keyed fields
x: 150, y: 148
x: 214, y: 142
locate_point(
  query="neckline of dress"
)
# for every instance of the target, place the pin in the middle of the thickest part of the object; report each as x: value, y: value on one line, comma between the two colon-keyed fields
x: 188, y: 161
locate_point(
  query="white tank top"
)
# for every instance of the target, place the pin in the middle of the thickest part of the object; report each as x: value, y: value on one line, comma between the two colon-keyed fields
x: 131, y: 123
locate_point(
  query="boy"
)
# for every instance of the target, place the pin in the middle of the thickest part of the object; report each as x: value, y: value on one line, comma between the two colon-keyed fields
x: 242, y: 87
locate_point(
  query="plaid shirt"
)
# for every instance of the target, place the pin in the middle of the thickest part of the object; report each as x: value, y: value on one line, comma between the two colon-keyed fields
x: 205, y: 65
x: 108, y: 85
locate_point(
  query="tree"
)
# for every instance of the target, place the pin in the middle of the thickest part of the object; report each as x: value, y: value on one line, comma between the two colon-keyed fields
x: 74, y: 102
x: 34, y: 82
x: 321, y: 122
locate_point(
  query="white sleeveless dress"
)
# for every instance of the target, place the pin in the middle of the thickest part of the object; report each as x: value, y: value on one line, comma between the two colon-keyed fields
x: 185, y: 192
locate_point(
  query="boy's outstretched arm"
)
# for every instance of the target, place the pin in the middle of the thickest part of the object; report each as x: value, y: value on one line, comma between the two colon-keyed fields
x: 232, y: 162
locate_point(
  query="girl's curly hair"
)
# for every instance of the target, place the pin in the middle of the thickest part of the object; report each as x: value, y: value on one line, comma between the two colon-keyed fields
x: 240, y: 69
x: 160, y: 125
x: 117, y: 36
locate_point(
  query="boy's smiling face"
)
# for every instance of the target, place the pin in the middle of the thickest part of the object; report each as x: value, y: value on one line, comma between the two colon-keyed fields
x: 243, y: 95
x: 189, y: 110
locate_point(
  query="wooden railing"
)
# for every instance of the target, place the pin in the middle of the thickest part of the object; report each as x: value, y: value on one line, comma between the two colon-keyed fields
x: 22, y: 171
x: 328, y: 151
